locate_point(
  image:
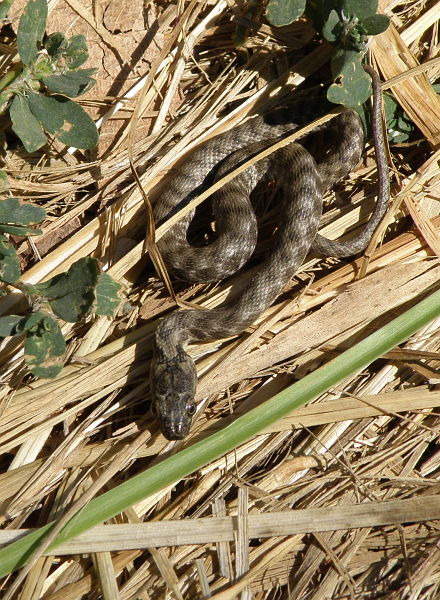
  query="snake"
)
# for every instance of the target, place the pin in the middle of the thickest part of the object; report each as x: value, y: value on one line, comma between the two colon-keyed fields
x: 303, y: 179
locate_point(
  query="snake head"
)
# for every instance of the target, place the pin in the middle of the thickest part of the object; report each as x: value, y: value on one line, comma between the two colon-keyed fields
x: 173, y: 382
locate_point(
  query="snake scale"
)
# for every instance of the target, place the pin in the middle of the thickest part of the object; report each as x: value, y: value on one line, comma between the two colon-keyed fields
x: 303, y: 180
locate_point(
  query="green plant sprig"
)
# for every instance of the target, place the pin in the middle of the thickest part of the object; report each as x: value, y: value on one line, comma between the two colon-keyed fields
x: 69, y: 296
x: 37, y: 90
x: 345, y: 24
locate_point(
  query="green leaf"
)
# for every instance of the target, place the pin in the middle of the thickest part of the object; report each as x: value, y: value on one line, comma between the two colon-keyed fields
x: 330, y: 28
x: 359, y: 8
x: 71, y: 294
x: 9, y: 324
x: 71, y: 83
x: 77, y: 52
x: 108, y: 296
x: 74, y: 51
x: 25, y: 125
x: 376, y: 24
x: 194, y: 457
x: 19, y: 230
x: 4, y: 8
x: 9, y: 263
x: 65, y: 119
x: 55, y: 44
x: 284, y: 12
x: 353, y: 85
x: 8, y: 249
x: 30, y: 322
x: 12, y: 210
x: 31, y: 30
x: 44, y: 346
x: 399, y: 125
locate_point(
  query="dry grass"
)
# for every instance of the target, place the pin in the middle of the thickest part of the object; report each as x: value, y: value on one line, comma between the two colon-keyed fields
x: 361, y: 464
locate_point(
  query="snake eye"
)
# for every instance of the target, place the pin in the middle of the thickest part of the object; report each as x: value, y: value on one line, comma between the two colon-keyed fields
x: 191, y: 409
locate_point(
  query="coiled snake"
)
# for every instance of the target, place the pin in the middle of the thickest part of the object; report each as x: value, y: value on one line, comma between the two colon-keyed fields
x: 304, y: 180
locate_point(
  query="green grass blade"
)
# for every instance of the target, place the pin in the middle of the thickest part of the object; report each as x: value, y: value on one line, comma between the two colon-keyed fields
x: 196, y: 456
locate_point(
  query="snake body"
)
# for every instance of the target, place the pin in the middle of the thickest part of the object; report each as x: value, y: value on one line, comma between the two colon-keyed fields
x: 303, y: 180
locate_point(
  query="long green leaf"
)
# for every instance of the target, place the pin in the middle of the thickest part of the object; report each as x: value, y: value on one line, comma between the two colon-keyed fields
x: 31, y: 30
x: 196, y: 456
x: 284, y: 12
x: 65, y: 119
x: 25, y: 125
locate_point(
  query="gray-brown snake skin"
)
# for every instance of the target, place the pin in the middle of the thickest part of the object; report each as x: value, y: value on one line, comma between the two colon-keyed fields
x: 303, y: 182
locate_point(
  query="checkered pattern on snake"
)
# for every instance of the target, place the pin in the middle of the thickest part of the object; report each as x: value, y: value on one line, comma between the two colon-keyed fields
x: 303, y: 180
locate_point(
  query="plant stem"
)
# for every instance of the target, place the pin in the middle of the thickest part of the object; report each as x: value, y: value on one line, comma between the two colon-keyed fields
x: 11, y: 75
